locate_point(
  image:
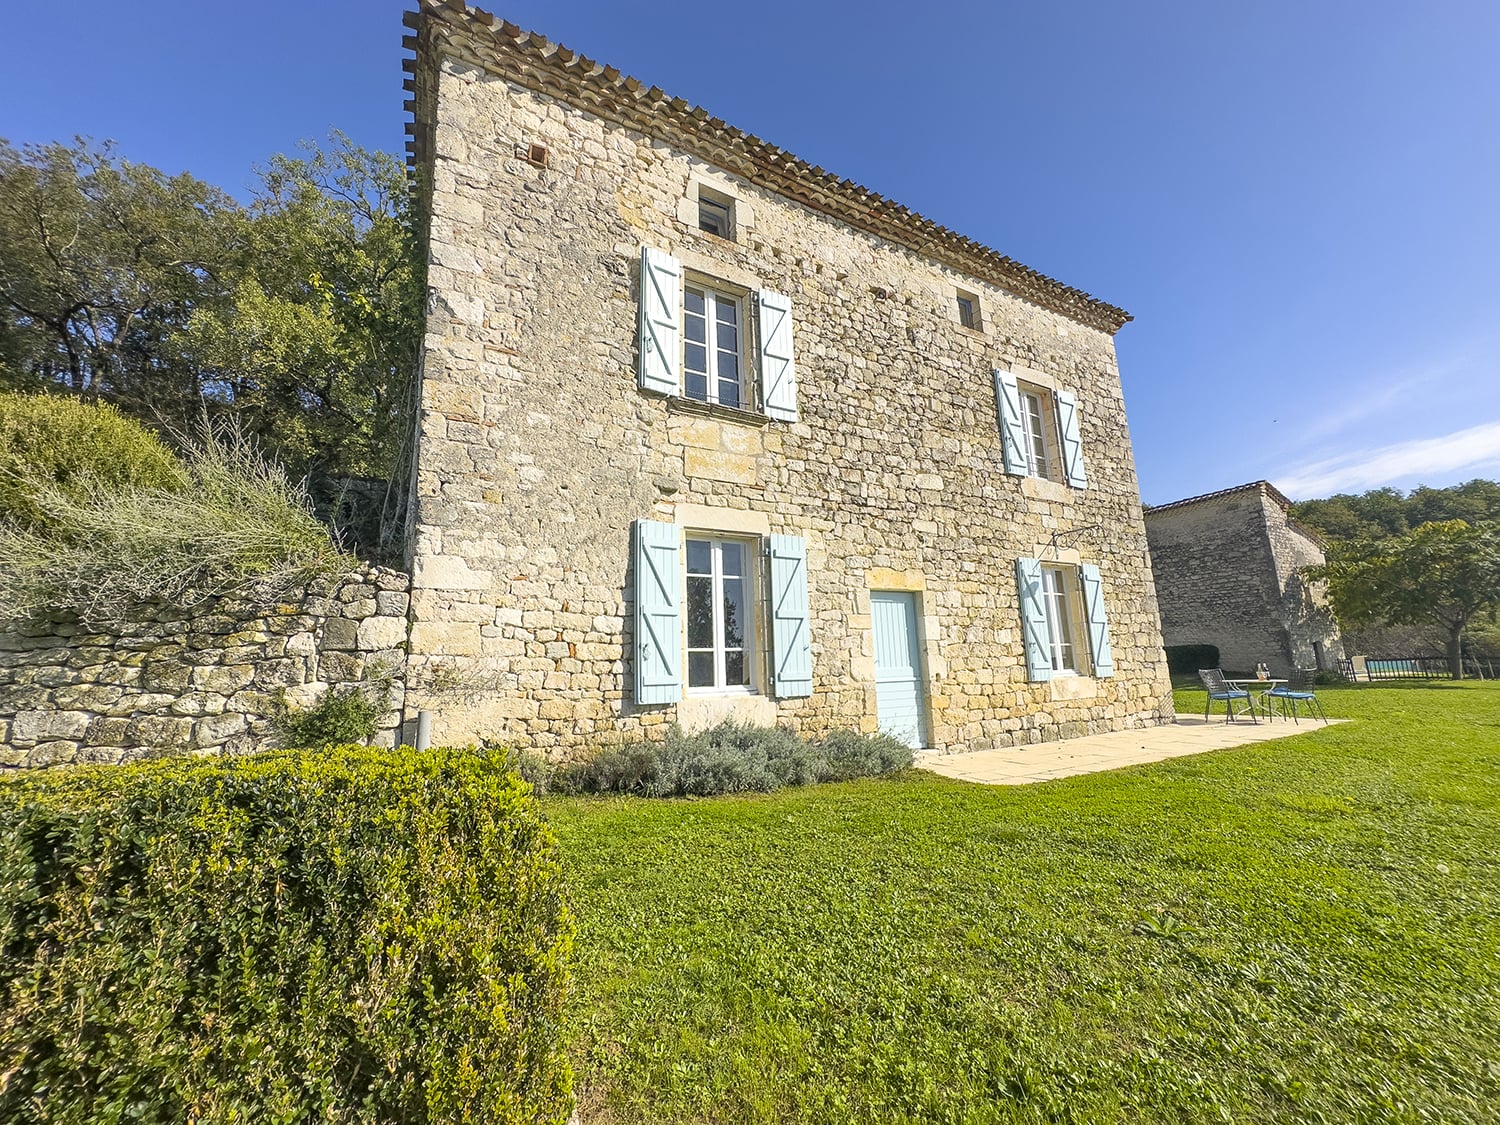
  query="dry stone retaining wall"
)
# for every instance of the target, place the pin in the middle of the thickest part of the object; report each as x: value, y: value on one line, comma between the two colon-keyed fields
x: 208, y: 680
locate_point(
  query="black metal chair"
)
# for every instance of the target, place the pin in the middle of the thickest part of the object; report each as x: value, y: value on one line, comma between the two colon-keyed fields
x: 1222, y: 691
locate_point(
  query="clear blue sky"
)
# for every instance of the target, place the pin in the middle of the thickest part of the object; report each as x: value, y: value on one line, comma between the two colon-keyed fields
x: 1300, y: 202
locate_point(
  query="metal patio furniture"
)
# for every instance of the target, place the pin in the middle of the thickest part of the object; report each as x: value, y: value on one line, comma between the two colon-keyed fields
x: 1221, y: 691
x: 1288, y: 701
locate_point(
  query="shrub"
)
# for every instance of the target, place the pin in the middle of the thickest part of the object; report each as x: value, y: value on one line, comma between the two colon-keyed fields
x: 339, y: 718
x: 237, y: 520
x: 845, y: 755
x: 614, y: 769
x: 731, y: 757
x: 1185, y: 660
x: 54, y: 442
x: 357, y: 936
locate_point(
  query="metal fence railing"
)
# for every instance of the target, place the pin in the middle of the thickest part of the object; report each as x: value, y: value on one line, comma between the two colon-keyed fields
x: 1373, y: 668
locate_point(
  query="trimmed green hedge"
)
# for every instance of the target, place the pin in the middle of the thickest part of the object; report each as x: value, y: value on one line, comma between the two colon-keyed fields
x: 355, y: 936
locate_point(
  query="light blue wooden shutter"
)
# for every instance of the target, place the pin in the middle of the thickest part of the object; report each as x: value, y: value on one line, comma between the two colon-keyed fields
x: 658, y: 612
x: 1072, y: 446
x: 1034, y: 631
x: 1012, y: 435
x: 791, y: 630
x: 778, y: 371
x: 1093, y: 606
x: 661, y: 322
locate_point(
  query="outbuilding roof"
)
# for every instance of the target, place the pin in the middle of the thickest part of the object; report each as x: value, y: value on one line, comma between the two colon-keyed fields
x: 1263, y: 486
x: 538, y: 64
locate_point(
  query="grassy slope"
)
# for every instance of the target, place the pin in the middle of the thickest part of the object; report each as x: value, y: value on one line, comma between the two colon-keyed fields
x: 1302, y: 930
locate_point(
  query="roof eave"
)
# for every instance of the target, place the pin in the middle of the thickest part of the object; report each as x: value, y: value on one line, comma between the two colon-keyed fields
x: 548, y: 68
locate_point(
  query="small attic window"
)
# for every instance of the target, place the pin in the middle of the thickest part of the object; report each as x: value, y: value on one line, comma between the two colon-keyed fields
x: 715, y: 213
x: 968, y: 310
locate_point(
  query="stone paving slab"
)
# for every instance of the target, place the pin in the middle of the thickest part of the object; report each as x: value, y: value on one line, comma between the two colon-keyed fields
x: 1046, y: 761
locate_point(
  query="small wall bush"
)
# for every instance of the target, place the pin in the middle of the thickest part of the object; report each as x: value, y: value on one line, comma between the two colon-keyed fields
x: 360, y: 936
x: 339, y: 717
x: 1185, y: 660
x: 730, y: 758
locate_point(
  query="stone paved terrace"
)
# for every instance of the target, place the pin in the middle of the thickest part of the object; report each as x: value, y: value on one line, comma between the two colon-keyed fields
x: 1095, y: 753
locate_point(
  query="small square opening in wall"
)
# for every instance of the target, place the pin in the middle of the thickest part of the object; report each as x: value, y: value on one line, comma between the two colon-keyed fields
x: 968, y: 310
x: 532, y: 154
x: 715, y: 213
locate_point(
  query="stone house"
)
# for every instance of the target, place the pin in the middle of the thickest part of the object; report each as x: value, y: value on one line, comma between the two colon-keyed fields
x: 708, y: 432
x: 1227, y: 568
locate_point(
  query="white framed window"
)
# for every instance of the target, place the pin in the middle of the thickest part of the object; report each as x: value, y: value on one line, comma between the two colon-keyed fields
x: 714, y: 342
x: 713, y: 362
x: 1064, y: 628
x: 720, y: 614
x: 1040, y: 435
x: 1039, y: 427
x: 1061, y: 603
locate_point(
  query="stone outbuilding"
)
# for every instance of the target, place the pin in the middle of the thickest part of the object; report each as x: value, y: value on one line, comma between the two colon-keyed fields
x: 708, y: 432
x: 1227, y: 568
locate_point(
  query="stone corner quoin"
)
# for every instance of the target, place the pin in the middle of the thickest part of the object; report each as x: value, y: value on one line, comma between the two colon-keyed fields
x: 833, y: 527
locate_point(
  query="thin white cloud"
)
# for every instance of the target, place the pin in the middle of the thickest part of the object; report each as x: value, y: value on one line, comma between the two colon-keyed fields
x: 1471, y: 451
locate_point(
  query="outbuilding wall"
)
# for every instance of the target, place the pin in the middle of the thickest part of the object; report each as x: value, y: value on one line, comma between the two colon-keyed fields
x: 1228, y: 574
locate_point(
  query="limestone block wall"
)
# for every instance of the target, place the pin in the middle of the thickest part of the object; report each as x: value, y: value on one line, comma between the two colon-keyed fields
x: 537, y: 450
x: 1226, y: 570
x: 203, y: 681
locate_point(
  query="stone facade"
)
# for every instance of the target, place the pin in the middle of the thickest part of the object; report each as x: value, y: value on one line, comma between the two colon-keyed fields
x: 538, y: 449
x: 202, y: 681
x: 1227, y: 569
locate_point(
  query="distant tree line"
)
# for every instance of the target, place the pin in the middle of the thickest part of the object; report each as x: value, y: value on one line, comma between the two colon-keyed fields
x: 1383, y: 513
x: 1430, y: 558
x: 295, y: 314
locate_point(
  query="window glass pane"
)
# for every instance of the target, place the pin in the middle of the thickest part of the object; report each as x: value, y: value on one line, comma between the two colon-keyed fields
x: 713, y: 217
x: 734, y: 668
x: 733, y: 555
x: 695, y: 357
x: 729, y: 394
x: 729, y: 366
x: 734, y: 612
x: 696, y: 386
x: 700, y: 612
x: 700, y: 669
x: 726, y: 312
x: 696, y: 328
x: 727, y: 337
x: 693, y: 300
x: 699, y: 556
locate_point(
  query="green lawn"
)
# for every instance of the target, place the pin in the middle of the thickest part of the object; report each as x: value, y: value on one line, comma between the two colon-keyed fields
x: 1304, y: 930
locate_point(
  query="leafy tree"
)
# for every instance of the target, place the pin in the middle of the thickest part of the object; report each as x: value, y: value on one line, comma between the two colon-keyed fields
x: 100, y: 260
x: 1385, y: 512
x: 296, y: 316
x: 314, y: 341
x: 1445, y: 573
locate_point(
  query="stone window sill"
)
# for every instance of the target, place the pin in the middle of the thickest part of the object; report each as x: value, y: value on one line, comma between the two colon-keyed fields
x: 1041, y: 488
x: 676, y: 404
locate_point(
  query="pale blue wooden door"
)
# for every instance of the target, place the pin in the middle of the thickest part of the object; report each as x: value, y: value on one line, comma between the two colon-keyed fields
x: 901, y: 701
